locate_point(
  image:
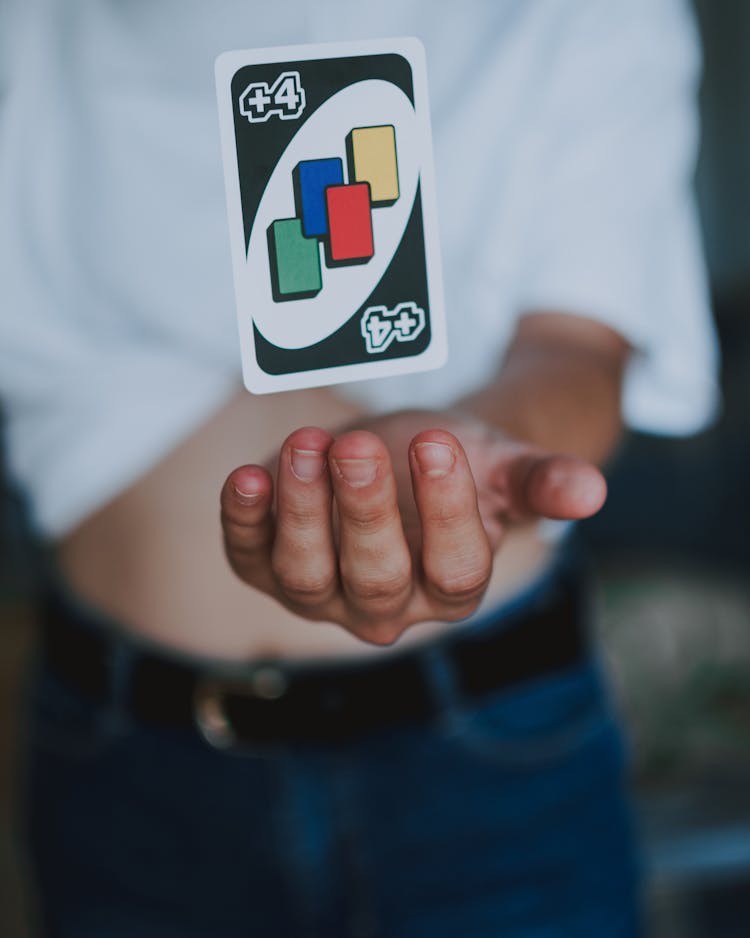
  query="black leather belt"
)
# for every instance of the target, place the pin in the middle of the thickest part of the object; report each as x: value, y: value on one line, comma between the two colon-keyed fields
x: 276, y: 701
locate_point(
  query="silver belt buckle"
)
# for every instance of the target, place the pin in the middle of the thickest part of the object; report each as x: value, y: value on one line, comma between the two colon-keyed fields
x: 264, y: 682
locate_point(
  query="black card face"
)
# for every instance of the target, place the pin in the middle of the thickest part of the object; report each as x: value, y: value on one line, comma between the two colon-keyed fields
x: 328, y: 166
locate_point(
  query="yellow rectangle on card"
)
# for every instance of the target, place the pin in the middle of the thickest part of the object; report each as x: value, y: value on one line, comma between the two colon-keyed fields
x: 372, y: 158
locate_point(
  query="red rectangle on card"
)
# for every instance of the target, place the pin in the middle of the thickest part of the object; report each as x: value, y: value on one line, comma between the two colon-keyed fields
x: 349, y: 223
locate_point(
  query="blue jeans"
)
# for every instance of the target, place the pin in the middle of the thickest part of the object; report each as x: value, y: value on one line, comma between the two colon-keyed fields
x: 505, y: 817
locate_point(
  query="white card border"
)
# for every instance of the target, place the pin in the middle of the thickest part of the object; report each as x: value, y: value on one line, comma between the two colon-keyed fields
x: 435, y: 355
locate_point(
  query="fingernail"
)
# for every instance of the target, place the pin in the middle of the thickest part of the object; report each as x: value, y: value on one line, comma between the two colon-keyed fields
x: 434, y: 459
x: 307, y: 464
x: 356, y: 472
x: 247, y: 498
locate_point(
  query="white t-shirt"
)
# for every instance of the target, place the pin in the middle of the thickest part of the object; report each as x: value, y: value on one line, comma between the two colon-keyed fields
x: 565, y: 135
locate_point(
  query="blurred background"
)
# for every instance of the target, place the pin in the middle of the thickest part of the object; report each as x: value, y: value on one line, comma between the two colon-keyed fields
x: 671, y: 556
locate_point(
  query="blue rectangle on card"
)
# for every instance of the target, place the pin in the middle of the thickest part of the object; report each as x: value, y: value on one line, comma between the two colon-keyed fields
x: 311, y: 178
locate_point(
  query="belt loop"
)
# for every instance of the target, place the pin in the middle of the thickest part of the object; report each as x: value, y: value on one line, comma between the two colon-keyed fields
x: 440, y: 674
x: 120, y: 660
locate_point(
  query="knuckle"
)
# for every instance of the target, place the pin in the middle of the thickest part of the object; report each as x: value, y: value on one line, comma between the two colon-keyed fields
x: 377, y: 602
x: 305, y: 587
x: 461, y: 587
x: 367, y: 517
x: 235, y: 531
x: 302, y: 515
x: 383, y: 590
x: 243, y: 541
x: 455, y: 511
x: 444, y: 516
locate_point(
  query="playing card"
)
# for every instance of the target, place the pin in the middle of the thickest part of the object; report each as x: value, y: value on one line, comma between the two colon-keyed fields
x: 330, y: 192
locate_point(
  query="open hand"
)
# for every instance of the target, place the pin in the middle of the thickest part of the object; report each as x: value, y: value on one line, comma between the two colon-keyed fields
x: 390, y: 524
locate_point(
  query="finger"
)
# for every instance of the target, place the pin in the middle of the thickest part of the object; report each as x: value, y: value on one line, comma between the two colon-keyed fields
x: 374, y: 560
x: 303, y: 557
x: 559, y: 487
x: 456, y: 554
x: 247, y: 523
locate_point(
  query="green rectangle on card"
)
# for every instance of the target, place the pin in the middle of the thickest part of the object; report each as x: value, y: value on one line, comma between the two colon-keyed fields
x: 295, y: 260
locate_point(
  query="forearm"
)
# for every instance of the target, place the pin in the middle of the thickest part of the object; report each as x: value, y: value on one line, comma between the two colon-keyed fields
x: 559, y: 386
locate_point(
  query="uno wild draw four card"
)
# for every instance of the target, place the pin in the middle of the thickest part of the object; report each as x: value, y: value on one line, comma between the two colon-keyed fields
x: 328, y: 168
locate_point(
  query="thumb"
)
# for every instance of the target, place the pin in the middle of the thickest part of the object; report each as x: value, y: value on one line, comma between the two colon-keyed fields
x: 554, y: 486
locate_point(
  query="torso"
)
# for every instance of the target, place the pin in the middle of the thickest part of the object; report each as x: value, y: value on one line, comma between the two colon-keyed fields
x: 152, y: 559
